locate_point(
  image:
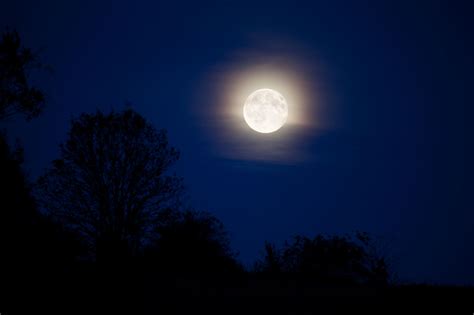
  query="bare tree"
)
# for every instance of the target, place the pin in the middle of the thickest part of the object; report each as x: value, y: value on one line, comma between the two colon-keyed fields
x: 111, y: 183
x: 16, y: 93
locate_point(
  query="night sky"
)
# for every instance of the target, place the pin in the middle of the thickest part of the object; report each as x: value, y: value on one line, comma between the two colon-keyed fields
x: 387, y: 147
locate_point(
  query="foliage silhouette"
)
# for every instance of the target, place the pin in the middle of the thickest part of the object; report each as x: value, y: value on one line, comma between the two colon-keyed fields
x: 17, y: 211
x: 190, y: 241
x: 29, y: 241
x: 33, y: 248
x: 334, y: 260
x: 111, y: 183
x: 17, y: 94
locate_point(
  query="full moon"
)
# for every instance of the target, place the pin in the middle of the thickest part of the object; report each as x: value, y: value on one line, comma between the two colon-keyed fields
x: 265, y: 110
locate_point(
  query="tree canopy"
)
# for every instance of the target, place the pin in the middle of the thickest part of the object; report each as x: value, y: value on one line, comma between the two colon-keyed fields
x: 192, y: 241
x: 112, y: 182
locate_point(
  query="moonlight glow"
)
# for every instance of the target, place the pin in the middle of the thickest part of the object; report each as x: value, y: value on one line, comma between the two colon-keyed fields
x: 265, y: 110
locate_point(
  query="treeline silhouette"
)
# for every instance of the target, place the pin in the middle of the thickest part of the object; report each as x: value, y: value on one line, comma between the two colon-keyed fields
x: 105, y: 229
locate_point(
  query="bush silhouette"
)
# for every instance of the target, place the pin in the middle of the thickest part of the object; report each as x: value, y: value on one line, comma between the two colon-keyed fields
x: 328, y: 260
x: 192, y: 242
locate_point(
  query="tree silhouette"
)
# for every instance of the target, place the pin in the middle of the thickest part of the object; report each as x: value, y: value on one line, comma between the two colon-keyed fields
x: 17, y: 94
x: 33, y: 248
x: 334, y: 260
x: 271, y: 262
x: 29, y: 241
x: 17, y: 209
x: 111, y: 183
x: 191, y: 241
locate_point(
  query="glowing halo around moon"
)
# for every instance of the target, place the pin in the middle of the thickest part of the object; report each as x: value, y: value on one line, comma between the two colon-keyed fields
x: 239, y: 126
x: 265, y: 110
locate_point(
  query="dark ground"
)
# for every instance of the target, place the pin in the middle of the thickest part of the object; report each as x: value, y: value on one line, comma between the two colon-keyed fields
x: 89, y: 291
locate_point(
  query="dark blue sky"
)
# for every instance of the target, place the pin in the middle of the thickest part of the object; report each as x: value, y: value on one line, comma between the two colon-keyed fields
x: 397, y: 164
